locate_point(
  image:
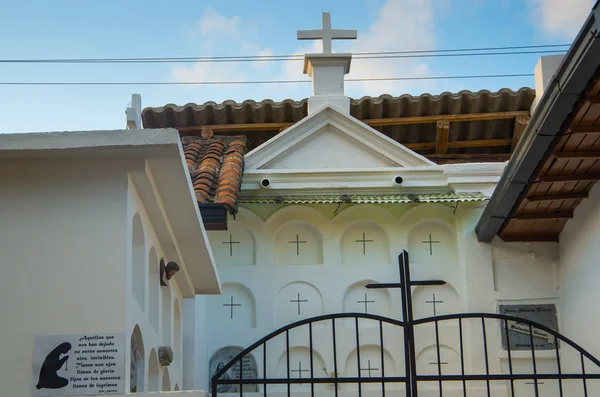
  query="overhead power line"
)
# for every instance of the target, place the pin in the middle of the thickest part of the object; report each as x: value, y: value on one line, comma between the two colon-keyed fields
x: 107, y: 83
x: 457, y: 52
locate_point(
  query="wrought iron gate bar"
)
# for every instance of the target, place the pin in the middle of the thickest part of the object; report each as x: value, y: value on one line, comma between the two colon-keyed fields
x: 335, y: 371
x: 281, y: 381
x: 358, y: 355
x: 382, y: 358
x: 510, y: 368
x: 494, y: 377
x: 535, y: 384
x: 401, y: 379
x: 411, y: 378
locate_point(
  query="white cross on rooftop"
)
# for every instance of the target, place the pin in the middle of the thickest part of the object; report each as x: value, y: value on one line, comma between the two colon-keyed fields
x: 326, y: 34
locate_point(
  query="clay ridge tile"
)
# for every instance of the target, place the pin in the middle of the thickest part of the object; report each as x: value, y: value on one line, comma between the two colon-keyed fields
x: 216, y: 166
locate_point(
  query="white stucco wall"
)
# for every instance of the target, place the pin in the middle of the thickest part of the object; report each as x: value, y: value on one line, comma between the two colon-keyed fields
x: 580, y: 273
x: 66, y: 240
x: 63, y: 249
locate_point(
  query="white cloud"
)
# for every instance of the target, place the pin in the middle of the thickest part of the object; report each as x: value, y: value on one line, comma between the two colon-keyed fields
x: 220, y: 35
x: 400, y: 25
x: 213, y: 22
x: 559, y: 18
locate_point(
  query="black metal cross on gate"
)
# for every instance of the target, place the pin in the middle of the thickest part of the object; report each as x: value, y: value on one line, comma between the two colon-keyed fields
x: 297, y: 242
x: 231, y: 305
x: 298, y: 301
x: 430, y: 242
x: 405, y: 285
x: 369, y: 368
x: 433, y: 301
x: 366, y: 302
x: 299, y: 370
x: 364, y: 242
x: 438, y: 363
x: 230, y: 242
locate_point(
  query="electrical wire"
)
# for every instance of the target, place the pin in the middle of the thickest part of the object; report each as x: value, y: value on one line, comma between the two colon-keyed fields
x: 113, y: 83
x: 457, y: 52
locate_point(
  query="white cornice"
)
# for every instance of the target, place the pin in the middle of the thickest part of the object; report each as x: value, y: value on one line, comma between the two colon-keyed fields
x: 459, y: 178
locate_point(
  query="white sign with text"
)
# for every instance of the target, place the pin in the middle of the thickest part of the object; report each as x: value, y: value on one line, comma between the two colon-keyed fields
x: 78, y: 365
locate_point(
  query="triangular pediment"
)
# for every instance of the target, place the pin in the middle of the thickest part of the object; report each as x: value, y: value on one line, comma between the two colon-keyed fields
x: 329, y: 139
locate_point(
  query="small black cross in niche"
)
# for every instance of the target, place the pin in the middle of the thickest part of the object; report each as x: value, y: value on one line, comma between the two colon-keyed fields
x: 230, y: 242
x: 364, y: 242
x: 231, y: 306
x: 430, y: 242
x: 299, y: 370
x: 433, y: 301
x: 369, y: 368
x: 297, y: 242
x: 298, y: 301
x: 440, y: 363
x: 366, y: 303
x: 534, y: 382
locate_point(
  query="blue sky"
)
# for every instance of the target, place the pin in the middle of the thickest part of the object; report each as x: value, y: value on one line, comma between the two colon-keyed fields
x: 180, y: 28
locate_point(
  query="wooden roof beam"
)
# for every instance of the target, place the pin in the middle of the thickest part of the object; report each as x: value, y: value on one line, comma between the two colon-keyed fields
x: 544, y: 215
x: 448, y: 117
x: 594, y: 99
x: 569, y: 196
x: 584, y: 129
x: 442, y: 134
x: 570, y: 178
x: 576, y: 155
x: 521, y: 123
x: 530, y: 238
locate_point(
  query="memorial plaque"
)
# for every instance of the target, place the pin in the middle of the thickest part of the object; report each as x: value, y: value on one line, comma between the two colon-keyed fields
x: 518, y: 333
x: 248, y: 369
x: 78, y: 365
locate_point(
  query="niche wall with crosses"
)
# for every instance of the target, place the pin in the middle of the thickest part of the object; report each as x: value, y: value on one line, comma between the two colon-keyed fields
x: 308, y: 263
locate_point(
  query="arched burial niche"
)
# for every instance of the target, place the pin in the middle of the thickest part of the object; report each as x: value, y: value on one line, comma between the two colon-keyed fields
x: 296, y: 301
x: 136, y: 362
x: 365, y: 243
x: 166, y: 380
x: 300, y: 365
x: 432, y: 251
x: 138, y: 262
x: 153, y: 371
x: 370, y: 363
x: 298, y: 243
x: 249, y: 369
x: 359, y: 299
x: 437, y: 300
x: 153, y: 288
x: 235, y: 307
x: 427, y: 361
x: 235, y: 246
x: 166, y: 315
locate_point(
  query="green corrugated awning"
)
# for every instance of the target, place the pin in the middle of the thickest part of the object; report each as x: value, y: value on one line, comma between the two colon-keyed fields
x: 362, y: 199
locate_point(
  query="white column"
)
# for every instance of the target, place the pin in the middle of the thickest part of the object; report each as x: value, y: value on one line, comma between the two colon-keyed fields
x: 134, y: 113
x: 545, y: 70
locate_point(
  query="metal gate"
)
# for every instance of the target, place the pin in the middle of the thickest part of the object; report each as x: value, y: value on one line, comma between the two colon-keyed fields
x: 566, y: 370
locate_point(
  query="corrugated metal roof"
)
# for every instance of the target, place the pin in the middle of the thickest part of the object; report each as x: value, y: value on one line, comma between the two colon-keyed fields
x: 365, y: 199
x: 384, y: 106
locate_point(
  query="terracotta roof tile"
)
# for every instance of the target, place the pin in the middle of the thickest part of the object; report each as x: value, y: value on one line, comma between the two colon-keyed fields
x: 216, y: 166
